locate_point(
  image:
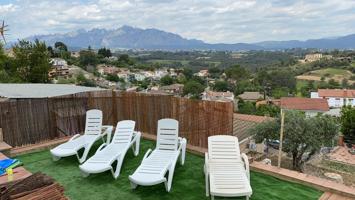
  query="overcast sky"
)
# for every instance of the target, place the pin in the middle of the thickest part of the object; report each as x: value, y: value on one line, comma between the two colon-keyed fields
x: 228, y: 21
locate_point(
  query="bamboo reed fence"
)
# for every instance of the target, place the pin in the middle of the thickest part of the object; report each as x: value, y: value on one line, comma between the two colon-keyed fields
x: 29, y: 121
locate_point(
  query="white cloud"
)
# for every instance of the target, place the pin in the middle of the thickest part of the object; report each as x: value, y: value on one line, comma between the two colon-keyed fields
x: 227, y: 21
x: 7, y: 8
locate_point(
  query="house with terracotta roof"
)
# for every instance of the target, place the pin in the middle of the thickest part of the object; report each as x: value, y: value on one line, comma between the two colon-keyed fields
x: 310, y: 106
x: 202, y: 73
x: 243, y: 125
x: 218, y: 96
x: 336, y: 98
x: 251, y: 96
x: 175, y: 89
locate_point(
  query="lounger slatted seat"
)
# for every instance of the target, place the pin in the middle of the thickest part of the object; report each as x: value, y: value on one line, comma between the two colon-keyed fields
x: 93, y: 133
x: 156, y: 164
x: 227, y: 172
x: 107, y: 154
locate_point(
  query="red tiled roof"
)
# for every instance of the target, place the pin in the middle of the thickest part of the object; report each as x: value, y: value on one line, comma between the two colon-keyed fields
x: 336, y: 93
x: 298, y: 103
x: 242, y: 124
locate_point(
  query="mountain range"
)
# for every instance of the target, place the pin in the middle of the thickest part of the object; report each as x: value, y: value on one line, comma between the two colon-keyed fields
x: 128, y: 37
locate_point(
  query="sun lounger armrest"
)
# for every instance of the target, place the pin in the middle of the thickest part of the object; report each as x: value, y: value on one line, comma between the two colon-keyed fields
x: 147, y: 154
x: 182, y: 148
x: 136, y: 135
x: 101, y: 147
x: 246, y: 164
x: 107, y: 132
x: 182, y: 143
x: 74, y: 136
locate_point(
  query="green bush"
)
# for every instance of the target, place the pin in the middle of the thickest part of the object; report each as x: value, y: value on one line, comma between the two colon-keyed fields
x: 348, y: 123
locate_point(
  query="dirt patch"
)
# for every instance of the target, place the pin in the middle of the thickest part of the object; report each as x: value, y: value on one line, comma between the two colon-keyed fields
x: 320, y: 164
x: 337, y: 78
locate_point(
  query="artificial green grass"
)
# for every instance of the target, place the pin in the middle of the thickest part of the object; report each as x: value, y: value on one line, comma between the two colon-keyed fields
x: 188, y: 180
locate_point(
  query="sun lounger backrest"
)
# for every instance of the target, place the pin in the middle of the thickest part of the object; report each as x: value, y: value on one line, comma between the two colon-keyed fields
x: 124, y: 132
x: 93, y: 122
x: 168, y: 132
x: 223, y: 147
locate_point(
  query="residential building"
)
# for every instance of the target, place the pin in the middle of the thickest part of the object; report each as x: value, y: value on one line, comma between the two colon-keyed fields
x: 59, y: 69
x: 107, y: 69
x: 101, y: 82
x: 251, y: 96
x: 218, y: 96
x: 124, y: 74
x: 10, y: 52
x: 132, y: 89
x: 160, y: 73
x: 336, y: 98
x: 310, y: 106
x: 75, y: 54
x: 202, y: 73
x: 175, y: 89
x: 58, y: 61
x: 242, y: 124
x: 172, y: 72
x: 313, y: 57
x: 139, y: 76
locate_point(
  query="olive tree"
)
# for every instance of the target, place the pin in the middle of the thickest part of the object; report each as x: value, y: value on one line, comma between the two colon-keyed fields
x: 301, y: 134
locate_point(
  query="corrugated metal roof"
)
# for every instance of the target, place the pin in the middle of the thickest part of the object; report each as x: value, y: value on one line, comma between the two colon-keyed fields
x: 34, y: 90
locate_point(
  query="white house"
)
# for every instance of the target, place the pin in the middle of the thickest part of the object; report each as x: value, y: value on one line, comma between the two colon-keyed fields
x: 160, y: 73
x: 58, y: 62
x: 336, y: 97
x: 139, y: 76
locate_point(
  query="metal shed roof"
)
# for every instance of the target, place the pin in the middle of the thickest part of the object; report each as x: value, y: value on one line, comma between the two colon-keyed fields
x: 33, y: 90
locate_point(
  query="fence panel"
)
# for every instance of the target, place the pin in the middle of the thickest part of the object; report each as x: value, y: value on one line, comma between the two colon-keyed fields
x: 28, y: 121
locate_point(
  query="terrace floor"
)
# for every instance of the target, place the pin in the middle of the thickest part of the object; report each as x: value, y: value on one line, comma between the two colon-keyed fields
x: 188, y: 180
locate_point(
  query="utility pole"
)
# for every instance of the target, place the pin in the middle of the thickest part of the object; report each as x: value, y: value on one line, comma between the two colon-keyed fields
x: 281, y: 137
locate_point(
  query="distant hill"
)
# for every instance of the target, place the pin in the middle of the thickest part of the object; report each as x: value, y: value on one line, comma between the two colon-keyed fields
x: 345, y: 42
x: 136, y: 38
x: 328, y: 73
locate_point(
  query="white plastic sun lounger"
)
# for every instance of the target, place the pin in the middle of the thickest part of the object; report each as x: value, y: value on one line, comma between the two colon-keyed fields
x: 107, y: 154
x: 163, y: 159
x: 226, y: 171
x: 93, y: 129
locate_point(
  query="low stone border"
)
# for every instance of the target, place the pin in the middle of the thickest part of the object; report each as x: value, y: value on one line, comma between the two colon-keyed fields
x: 304, y: 179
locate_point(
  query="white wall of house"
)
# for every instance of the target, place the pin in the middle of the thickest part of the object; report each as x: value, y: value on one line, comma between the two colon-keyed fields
x: 311, y: 113
x: 314, y: 95
x: 58, y: 62
x: 336, y: 102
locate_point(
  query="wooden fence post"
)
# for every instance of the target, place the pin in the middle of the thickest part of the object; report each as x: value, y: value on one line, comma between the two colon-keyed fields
x: 114, y: 107
x: 1, y: 135
x: 281, y: 138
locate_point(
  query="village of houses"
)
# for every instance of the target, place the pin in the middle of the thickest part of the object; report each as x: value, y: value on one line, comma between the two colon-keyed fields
x: 324, y: 101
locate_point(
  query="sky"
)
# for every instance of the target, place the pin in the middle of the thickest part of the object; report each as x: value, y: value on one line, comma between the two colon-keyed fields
x: 213, y: 21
